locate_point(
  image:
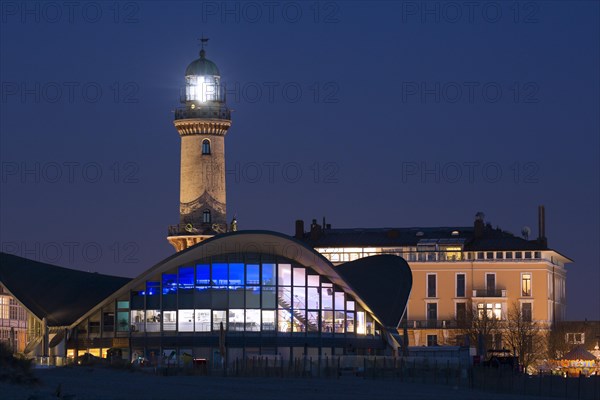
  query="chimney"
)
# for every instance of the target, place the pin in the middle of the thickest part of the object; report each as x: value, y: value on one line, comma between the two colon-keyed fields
x: 479, y: 225
x: 315, y: 230
x: 542, y: 226
x: 299, y: 229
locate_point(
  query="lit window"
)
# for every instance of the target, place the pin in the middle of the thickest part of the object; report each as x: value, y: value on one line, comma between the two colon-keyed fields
x: 575, y: 338
x: 489, y: 311
x: 525, y: 284
x: 206, y: 146
x: 498, y: 311
x: 206, y: 217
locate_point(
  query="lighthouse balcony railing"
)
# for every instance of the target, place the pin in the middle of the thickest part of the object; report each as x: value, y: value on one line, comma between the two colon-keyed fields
x: 216, y: 112
x: 184, y: 229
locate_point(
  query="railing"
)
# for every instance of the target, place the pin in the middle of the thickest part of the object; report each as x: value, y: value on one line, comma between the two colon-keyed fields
x: 431, y: 324
x: 188, y: 229
x: 427, y: 256
x: 489, y: 292
x: 217, y: 112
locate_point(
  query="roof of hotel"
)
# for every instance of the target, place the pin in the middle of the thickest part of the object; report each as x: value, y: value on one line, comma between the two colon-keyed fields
x: 61, y: 295
x: 491, y: 239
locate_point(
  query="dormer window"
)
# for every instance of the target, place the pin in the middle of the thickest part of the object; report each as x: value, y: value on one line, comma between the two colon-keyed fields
x: 206, y: 217
x: 206, y: 147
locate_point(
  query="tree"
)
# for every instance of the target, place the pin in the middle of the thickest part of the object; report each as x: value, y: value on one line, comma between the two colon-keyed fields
x: 525, y: 336
x: 479, y: 325
x: 557, y: 343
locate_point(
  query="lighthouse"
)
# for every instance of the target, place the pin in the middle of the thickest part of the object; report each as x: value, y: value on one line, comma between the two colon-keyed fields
x: 202, y: 123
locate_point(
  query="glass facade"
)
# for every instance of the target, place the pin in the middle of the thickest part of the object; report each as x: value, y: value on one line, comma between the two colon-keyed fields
x: 268, y: 297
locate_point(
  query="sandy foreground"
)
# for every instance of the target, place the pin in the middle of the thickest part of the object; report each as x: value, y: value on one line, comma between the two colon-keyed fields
x: 87, y: 383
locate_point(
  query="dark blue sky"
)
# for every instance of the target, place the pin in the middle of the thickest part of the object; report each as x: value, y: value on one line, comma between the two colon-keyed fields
x: 339, y: 106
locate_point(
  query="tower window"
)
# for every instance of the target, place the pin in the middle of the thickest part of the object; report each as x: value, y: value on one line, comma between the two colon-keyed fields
x: 206, y: 216
x: 206, y: 146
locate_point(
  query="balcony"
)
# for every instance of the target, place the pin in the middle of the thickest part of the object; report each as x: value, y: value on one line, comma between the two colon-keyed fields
x: 430, y: 324
x: 490, y: 293
x: 214, y: 112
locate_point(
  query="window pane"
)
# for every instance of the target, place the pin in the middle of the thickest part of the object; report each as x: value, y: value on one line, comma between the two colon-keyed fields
x: 284, y: 297
x: 169, y: 320
x: 339, y: 301
x: 360, y: 323
x: 186, y: 278
x: 268, y: 274
x: 299, y: 277
x: 123, y: 304
x: 219, y: 275
x: 313, y: 321
x: 236, y: 274
x: 490, y: 280
x: 153, y: 320
x: 284, y: 321
x: 219, y: 317
x: 252, y: 296
x: 350, y: 322
x: 252, y: 274
x: 269, y: 297
x: 203, y: 274
x: 526, y: 312
x: 340, y: 323
x: 431, y: 285
x: 461, y: 311
x: 299, y: 321
x: 185, y: 321
x: 236, y: 297
x: 202, y: 320
x: 460, y: 285
x: 299, y: 298
x: 169, y: 283
x: 137, y: 321
x: 313, y: 298
x: 253, y: 320
x: 526, y: 285
x: 268, y: 320
x: 236, y: 320
x: 313, y: 280
x: 327, y: 298
x: 284, y: 274
x: 123, y: 321
x: 152, y: 288
x: 327, y: 321
x: 432, y: 311
x: 350, y: 305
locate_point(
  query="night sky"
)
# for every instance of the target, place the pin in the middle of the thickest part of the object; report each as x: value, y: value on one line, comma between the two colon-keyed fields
x: 370, y: 114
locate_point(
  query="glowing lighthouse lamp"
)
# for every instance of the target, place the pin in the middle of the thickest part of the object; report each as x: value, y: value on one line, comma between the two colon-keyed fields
x: 202, y: 80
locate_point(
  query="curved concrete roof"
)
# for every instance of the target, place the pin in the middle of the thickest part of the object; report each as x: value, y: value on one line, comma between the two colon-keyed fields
x: 354, y: 278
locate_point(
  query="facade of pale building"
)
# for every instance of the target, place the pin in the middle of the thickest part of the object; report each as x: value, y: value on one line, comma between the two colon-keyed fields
x: 459, y: 273
x: 13, y: 321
